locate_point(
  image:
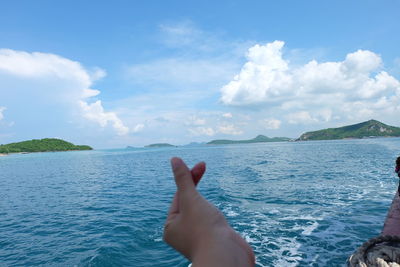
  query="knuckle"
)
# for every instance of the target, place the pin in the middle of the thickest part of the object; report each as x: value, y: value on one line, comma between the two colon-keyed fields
x: 180, y: 173
x: 167, y: 233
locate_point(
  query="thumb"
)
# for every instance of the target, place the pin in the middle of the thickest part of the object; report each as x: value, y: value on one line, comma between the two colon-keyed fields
x: 183, y: 176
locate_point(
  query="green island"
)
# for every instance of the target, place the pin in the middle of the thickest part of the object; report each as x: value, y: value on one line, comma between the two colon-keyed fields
x: 160, y: 145
x: 41, y: 145
x: 258, y: 139
x: 367, y: 129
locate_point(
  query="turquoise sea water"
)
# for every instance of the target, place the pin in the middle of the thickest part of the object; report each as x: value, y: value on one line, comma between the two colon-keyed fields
x: 297, y: 204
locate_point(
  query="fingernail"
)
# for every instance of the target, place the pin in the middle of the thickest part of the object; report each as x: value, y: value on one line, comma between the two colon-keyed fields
x: 176, y: 163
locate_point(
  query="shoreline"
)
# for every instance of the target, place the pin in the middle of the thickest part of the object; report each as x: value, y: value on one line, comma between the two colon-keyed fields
x: 13, y: 153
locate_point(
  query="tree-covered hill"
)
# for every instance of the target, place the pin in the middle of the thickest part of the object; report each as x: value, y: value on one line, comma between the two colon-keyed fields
x: 160, y: 145
x: 371, y: 128
x: 41, y: 145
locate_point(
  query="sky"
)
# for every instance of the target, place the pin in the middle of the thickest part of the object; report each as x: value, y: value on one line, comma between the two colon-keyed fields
x: 115, y: 73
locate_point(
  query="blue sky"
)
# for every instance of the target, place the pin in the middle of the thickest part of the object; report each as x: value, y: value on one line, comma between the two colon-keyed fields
x: 111, y: 74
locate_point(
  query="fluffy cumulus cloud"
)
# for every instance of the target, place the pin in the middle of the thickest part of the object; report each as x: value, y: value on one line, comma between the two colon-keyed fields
x: 95, y: 112
x: 263, y: 77
x: 48, y: 79
x: 355, y: 88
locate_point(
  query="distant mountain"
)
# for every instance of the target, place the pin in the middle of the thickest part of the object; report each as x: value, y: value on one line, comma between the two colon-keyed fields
x: 160, y: 145
x: 41, y: 145
x: 258, y: 139
x: 195, y: 144
x: 371, y: 128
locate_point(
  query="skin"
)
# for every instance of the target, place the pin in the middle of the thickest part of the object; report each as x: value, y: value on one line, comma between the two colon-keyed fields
x: 197, y: 229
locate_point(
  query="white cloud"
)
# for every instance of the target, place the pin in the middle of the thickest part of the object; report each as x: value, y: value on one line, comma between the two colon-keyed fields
x: 139, y: 127
x: 199, y: 61
x: 314, y: 92
x: 54, y: 79
x: 271, y: 124
x: 261, y: 78
x: 361, y: 61
x: 181, y: 72
x: 195, y: 121
x: 304, y: 117
x: 95, y: 112
x: 186, y: 35
x: 229, y: 129
x: 1, y: 112
x: 301, y: 117
x: 208, y: 131
x: 182, y: 34
x: 213, y: 126
x: 325, y: 114
x: 227, y: 115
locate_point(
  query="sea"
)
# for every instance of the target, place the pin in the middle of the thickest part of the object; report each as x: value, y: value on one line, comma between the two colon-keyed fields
x: 296, y: 203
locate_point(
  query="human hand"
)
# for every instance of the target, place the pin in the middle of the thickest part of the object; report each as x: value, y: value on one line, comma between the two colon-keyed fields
x: 197, y: 229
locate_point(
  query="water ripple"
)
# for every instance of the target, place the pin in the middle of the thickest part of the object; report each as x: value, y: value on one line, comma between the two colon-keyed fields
x: 297, y: 204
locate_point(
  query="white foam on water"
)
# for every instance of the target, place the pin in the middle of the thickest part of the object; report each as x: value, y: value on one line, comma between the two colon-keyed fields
x: 282, y: 251
x: 249, y: 239
x: 302, y: 217
x: 309, y: 229
x: 232, y: 213
x: 229, y: 212
x: 316, y: 257
x: 279, y: 251
x: 309, y: 218
x: 274, y: 211
x: 287, y: 253
x: 288, y: 246
x: 356, y: 196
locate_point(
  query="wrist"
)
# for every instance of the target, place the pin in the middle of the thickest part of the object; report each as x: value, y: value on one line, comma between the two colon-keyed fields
x: 223, y: 247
